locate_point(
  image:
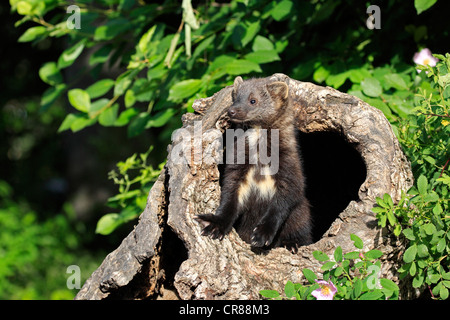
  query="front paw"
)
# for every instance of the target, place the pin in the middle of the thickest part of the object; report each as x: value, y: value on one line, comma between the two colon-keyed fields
x: 292, y: 246
x: 263, y: 235
x: 213, y: 226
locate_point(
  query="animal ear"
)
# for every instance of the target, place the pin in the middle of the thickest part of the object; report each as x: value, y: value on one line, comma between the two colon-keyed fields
x: 237, y: 82
x: 278, y: 89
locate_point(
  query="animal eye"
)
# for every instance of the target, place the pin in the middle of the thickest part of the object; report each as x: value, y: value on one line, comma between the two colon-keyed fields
x: 253, y: 101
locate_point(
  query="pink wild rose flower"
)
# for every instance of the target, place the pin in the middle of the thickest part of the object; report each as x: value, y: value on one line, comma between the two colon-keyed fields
x: 425, y: 58
x: 326, y: 291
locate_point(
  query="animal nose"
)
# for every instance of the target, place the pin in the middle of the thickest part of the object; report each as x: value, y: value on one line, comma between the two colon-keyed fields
x: 232, y: 112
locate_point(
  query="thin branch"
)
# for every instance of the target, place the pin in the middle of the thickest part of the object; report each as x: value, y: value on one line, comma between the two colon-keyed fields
x: 445, y: 166
x: 437, y: 115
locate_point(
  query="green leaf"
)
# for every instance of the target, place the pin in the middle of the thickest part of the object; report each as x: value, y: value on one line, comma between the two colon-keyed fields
x: 24, y: 8
x: 378, y: 210
x: 429, y: 228
x: 112, y: 29
x: 381, y: 105
x: 123, y: 82
x: 381, y: 203
x: 422, y: 185
x: 320, y: 256
x: 352, y: 255
x: 262, y: 56
x: 357, y: 288
x: 445, y: 178
x: 391, y: 218
x: 422, y: 5
x: 79, y: 99
x: 397, y: 230
x: 373, y: 254
x: 388, y: 200
x: 441, y: 245
x: 356, y: 241
x: 289, y: 289
x: 431, y: 197
x: 409, y: 234
x: 321, y: 74
x: 68, y: 121
x: 50, y: 95
x: 410, y: 254
x: 129, y: 98
x: 262, y: 44
x: 443, y: 293
x: 358, y: 75
x: 371, y: 295
x: 161, y: 118
x: 433, y: 277
x: 29, y: 7
x: 271, y: 294
x: 96, y: 106
x: 396, y: 81
x: 108, y: 117
x: 82, y: 122
x: 338, y: 271
x: 50, y: 74
x: 282, y: 10
x: 32, y: 33
x: 309, y: 275
x: 202, y: 46
x: 437, y: 209
x: 100, y: 88
x: 137, y: 125
x: 68, y: 56
x: 184, y: 89
x: 240, y: 67
x: 430, y: 159
x: 145, y: 39
x: 101, y: 55
x: 436, y: 289
x: 124, y: 196
x: 338, y: 254
x: 336, y: 80
x: 371, y: 87
x: 250, y: 32
x: 108, y: 223
x: 328, y: 265
x: 389, y: 285
x: 422, y: 250
x: 412, y: 269
x: 418, y: 280
x: 125, y: 117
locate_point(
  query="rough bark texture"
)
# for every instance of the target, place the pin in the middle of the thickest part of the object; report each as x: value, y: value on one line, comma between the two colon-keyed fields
x: 229, y: 269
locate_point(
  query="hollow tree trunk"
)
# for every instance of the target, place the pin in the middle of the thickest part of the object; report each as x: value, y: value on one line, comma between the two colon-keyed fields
x: 189, y: 185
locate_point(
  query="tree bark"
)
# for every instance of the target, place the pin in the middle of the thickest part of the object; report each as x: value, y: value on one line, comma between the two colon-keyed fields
x: 229, y: 269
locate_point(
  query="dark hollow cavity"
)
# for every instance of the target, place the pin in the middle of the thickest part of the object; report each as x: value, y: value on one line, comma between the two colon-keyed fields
x: 334, y: 172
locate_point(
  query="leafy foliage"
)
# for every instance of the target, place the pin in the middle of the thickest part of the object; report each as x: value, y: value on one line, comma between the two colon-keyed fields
x: 134, y: 178
x: 355, y: 275
x: 34, y: 255
x: 421, y: 216
x: 149, y: 62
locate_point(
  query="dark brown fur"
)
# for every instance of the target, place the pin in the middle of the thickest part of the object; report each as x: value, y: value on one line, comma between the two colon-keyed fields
x: 267, y: 210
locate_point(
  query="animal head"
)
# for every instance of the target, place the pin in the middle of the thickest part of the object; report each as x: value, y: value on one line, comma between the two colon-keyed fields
x: 258, y: 102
